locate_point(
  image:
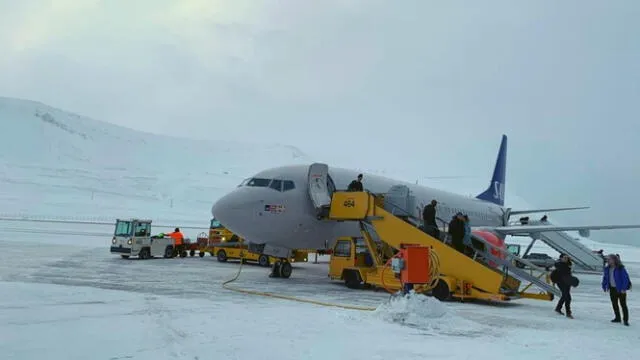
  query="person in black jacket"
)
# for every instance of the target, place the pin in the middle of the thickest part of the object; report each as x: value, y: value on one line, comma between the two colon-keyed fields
x: 563, y: 280
x: 456, y: 230
x: 429, y: 218
x: 356, y: 185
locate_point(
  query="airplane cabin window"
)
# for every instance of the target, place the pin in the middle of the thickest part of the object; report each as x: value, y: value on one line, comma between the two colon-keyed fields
x: 276, y: 185
x: 259, y: 182
x: 288, y: 185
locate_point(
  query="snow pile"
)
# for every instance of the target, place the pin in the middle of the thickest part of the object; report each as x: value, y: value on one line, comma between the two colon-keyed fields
x: 427, y: 314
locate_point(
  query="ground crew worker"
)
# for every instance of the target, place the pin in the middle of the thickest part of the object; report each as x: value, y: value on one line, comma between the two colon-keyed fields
x: 429, y: 218
x: 356, y: 185
x: 178, y: 238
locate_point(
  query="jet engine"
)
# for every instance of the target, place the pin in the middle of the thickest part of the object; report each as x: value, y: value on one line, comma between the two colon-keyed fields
x: 491, y: 238
x: 584, y: 233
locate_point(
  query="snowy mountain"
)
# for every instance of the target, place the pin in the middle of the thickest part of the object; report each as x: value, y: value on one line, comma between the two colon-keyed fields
x: 54, y: 161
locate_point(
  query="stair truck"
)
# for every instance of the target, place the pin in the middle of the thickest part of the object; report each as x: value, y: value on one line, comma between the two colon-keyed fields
x: 364, y: 262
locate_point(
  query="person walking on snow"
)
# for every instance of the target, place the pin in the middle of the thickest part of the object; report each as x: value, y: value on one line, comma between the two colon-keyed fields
x: 615, y: 280
x: 563, y: 279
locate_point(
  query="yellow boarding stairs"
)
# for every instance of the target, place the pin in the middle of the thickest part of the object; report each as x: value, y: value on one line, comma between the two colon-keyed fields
x: 460, y: 276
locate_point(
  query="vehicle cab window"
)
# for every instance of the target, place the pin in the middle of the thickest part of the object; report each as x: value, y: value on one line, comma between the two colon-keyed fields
x: 123, y: 228
x: 143, y: 229
x: 342, y: 248
x: 215, y: 224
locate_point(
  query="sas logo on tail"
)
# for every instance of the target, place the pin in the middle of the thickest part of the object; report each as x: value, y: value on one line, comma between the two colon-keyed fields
x: 498, y: 190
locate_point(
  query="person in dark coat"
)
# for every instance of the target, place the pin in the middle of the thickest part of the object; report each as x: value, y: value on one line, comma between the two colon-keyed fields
x: 456, y: 230
x: 563, y: 277
x: 615, y: 280
x: 429, y: 218
x: 356, y: 185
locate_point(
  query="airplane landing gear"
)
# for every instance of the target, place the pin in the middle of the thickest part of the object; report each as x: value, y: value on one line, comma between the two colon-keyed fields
x: 281, y: 269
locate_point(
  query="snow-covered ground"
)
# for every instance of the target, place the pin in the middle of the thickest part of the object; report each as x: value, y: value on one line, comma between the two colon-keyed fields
x: 63, y: 296
x: 66, y: 297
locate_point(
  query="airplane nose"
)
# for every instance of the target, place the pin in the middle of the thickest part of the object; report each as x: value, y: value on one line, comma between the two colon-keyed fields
x: 223, y: 209
x: 232, y: 211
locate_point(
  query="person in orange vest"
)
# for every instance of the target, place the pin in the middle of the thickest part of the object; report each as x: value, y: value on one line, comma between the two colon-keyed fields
x: 178, y: 238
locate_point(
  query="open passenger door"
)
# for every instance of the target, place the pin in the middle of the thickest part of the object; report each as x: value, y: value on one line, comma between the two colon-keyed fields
x: 318, y: 188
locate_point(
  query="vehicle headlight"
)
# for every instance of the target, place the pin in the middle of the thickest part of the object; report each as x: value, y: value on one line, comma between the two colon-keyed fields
x: 224, y: 238
x: 129, y: 242
x: 113, y: 241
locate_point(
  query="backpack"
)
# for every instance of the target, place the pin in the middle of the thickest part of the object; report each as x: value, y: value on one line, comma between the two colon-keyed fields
x: 574, y: 281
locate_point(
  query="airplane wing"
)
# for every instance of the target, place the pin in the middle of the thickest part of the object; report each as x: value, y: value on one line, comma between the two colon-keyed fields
x: 529, y: 229
x: 533, y: 211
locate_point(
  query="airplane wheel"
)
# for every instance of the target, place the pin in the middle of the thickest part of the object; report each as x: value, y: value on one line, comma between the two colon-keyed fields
x: 263, y: 260
x: 201, y: 253
x: 124, y: 256
x: 441, y: 291
x: 222, y: 256
x: 285, y: 270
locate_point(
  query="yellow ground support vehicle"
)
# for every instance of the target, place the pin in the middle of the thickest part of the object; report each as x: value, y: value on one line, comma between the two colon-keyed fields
x: 363, y: 261
x: 219, y: 233
x: 351, y: 261
x: 225, y: 245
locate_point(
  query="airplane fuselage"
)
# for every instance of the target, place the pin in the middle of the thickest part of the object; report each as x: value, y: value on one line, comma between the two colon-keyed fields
x: 280, y: 207
x: 263, y: 213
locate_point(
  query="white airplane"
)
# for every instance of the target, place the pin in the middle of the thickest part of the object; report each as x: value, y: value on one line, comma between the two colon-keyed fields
x: 279, y: 207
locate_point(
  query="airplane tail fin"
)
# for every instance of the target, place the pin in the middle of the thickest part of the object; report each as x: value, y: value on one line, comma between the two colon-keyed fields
x: 495, y: 191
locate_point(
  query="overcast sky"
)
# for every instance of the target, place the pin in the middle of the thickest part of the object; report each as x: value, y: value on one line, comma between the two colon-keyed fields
x: 427, y: 86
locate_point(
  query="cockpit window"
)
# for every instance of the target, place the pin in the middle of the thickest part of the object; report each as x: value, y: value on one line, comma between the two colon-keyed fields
x: 288, y: 185
x: 276, y: 185
x: 258, y: 182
